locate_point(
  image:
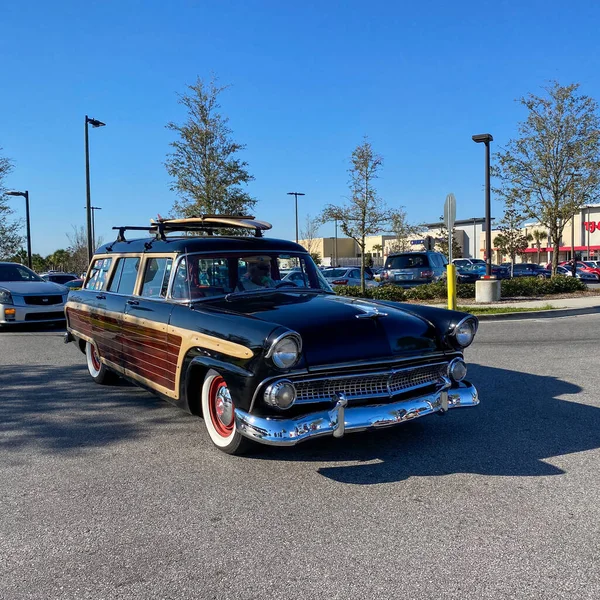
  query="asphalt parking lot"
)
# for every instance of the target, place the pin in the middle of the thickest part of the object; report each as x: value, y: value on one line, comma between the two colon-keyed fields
x: 108, y: 492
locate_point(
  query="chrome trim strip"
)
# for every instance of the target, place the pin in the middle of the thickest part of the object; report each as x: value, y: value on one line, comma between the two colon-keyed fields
x: 276, y: 431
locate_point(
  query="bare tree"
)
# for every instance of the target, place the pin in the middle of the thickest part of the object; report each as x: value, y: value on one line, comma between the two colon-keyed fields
x: 365, y: 214
x: 207, y: 175
x: 553, y: 169
x: 10, y: 238
x: 511, y: 241
x: 402, y: 229
x: 75, y: 258
x: 309, y: 234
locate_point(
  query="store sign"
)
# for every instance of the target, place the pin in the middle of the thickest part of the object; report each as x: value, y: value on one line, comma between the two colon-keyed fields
x: 591, y: 226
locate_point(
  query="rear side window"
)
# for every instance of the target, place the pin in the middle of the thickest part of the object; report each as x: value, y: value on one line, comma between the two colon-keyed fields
x: 407, y: 261
x: 123, y: 281
x: 156, y: 277
x: 98, y: 274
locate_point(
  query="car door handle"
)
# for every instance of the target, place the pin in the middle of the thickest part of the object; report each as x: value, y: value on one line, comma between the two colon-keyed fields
x: 101, y: 297
x: 133, y: 302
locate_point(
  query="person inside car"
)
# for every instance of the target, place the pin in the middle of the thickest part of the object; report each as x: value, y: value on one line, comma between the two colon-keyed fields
x: 258, y: 274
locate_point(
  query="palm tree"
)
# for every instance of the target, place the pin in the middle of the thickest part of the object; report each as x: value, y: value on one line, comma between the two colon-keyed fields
x: 539, y: 236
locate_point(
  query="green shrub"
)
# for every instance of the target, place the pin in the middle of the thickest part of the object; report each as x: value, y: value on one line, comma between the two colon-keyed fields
x: 510, y: 288
x: 465, y: 290
x: 429, y: 291
x: 533, y: 286
x: 392, y: 293
x: 352, y: 290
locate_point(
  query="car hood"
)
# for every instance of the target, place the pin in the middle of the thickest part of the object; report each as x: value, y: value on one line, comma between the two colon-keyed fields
x: 27, y: 288
x: 337, y: 329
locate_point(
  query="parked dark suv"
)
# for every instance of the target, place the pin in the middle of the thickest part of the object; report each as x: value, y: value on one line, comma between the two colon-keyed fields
x: 408, y: 269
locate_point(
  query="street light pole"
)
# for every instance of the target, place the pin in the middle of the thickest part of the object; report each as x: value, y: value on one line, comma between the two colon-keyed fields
x: 25, y: 195
x: 296, y: 194
x: 88, y: 206
x: 486, y: 138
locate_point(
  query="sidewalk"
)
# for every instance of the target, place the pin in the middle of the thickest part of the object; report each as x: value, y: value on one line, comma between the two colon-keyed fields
x: 579, y: 305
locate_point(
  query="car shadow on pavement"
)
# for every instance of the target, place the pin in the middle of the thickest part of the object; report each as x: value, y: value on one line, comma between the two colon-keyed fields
x: 59, y: 409
x: 521, y: 421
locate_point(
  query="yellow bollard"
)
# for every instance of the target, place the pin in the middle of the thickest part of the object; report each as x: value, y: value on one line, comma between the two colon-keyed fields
x: 451, y: 284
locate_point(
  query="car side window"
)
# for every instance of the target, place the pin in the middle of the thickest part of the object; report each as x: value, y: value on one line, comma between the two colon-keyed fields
x: 156, y: 277
x: 124, y: 278
x: 98, y: 274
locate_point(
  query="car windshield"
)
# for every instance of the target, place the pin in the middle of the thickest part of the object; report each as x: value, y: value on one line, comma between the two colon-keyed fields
x: 199, y: 276
x: 15, y: 272
x: 407, y: 261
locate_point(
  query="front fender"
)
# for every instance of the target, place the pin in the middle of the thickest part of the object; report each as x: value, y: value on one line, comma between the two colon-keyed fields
x: 239, y: 380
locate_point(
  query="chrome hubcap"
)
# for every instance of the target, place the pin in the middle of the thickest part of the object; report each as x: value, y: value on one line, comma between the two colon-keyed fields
x: 224, y: 406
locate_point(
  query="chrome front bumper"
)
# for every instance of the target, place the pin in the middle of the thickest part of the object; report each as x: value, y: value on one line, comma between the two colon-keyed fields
x: 277, y: 431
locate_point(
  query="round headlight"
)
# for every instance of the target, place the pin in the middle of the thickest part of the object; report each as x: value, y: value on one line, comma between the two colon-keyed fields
x: 285, y: 352
x: 464, y: 332
x: 281, y: 394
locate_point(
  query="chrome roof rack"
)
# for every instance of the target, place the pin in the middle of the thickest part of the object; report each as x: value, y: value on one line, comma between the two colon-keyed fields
x: 207, y: 224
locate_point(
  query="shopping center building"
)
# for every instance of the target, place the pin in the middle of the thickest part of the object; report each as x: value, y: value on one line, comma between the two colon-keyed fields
x: 470, y: 235
x: 581, y: 238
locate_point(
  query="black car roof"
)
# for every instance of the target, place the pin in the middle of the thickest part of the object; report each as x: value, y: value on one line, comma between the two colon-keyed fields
x: 207, y: 243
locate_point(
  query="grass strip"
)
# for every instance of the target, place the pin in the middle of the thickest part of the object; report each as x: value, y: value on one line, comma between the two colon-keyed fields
x: 498, y: 310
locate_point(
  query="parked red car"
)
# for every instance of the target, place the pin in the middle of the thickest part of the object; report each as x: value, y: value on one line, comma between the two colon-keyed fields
x: 581, y: 265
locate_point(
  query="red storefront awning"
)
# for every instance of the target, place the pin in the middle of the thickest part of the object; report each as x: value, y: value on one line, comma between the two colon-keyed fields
x: 564, y: 249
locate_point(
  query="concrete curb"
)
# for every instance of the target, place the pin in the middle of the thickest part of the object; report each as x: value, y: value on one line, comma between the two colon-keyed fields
x: 541, y: 314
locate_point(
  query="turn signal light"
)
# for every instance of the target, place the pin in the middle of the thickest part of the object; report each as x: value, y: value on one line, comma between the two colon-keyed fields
x: 9, y: 314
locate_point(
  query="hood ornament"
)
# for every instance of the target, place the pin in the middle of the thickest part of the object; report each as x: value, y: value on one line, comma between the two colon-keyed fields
x: 369, y: 312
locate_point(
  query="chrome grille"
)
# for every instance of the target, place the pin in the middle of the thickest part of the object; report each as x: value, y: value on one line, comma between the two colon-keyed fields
x: 370, y: 385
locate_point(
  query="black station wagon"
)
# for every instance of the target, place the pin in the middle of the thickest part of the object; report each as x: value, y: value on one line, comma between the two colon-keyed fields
x: 208, y: 322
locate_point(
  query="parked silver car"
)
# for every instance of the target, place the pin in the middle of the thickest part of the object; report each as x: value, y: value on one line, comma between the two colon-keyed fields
x: 347, y: 276
x: 25, y: 297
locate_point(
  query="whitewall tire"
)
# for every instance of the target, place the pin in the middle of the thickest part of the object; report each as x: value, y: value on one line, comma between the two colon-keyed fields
x: 218, y: 412
x: 97, y: 369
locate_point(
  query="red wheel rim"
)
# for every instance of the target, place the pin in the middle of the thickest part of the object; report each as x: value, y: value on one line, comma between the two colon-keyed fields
x: 95, y: 358
x: 215, y: 407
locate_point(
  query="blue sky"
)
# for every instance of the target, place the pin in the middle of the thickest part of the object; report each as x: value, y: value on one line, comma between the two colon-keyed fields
x: 308, y: 81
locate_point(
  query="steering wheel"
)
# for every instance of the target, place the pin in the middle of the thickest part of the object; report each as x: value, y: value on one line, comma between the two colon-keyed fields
x: 285, y: 284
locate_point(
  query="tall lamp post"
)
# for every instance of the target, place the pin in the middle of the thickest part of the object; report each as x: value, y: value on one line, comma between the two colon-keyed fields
x: 296, y: 194
x: 88, y: 206
x: 25, y: 195
x: 94, y: 208
x: 486, y: 138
